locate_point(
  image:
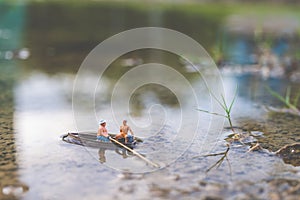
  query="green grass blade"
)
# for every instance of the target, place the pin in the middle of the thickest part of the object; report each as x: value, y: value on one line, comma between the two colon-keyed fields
x: 287, y: 95
x: 281, y: 98
x: 219, y: 102
x: 275, y: 94
x: 224, y: 103
x: 233, y: 100
x: 211, y: 112
x: 295, y: 102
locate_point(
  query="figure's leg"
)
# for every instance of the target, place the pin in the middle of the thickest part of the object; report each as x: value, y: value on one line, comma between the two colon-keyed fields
x: 118, y: 136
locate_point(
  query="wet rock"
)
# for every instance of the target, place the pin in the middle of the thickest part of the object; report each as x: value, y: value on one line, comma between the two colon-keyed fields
x: 290, y: 154
x: 160, y: 192
x: 277, y: 130
x: 128, y: 189
x: 257, y: 133
x: 284, y: 189
x: 213, y: 191
x: 241, y: 137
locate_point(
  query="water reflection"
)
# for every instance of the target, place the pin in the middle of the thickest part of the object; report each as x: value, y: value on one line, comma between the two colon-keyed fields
x: 120, y: 151
x: 102, y: 157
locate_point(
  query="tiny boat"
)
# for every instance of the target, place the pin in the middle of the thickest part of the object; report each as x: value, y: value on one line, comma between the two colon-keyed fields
x: 89, y: 139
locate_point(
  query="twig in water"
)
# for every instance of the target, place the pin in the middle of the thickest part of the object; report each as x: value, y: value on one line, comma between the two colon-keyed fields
x: 256, y: 146
x: 220, y: 161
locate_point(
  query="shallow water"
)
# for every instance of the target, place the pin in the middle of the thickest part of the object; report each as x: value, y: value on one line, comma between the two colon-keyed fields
x: 44, y: 161
x: 36, y: 109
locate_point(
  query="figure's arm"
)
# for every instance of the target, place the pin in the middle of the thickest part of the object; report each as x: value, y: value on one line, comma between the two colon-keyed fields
x: 130, y: 130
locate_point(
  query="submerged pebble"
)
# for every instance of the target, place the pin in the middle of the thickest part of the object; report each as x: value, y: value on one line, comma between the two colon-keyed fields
x: 14, y: 190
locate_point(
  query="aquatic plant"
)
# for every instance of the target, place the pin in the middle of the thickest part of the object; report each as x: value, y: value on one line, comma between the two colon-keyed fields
x: 290, y: 104
x: 227, y: 108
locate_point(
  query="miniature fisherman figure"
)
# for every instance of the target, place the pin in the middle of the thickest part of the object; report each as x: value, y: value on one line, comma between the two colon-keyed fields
x: 124, y: 132
x: 102, y: 133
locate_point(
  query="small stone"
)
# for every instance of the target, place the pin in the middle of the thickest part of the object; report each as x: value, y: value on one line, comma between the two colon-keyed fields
x: 257, y: 133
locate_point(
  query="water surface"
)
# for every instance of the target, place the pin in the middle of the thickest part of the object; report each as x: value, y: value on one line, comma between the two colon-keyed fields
x: 36, y: 109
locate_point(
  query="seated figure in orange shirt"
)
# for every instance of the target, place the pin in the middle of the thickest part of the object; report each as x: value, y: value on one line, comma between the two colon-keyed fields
x: 121, y: 135
x: 124, y: 132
